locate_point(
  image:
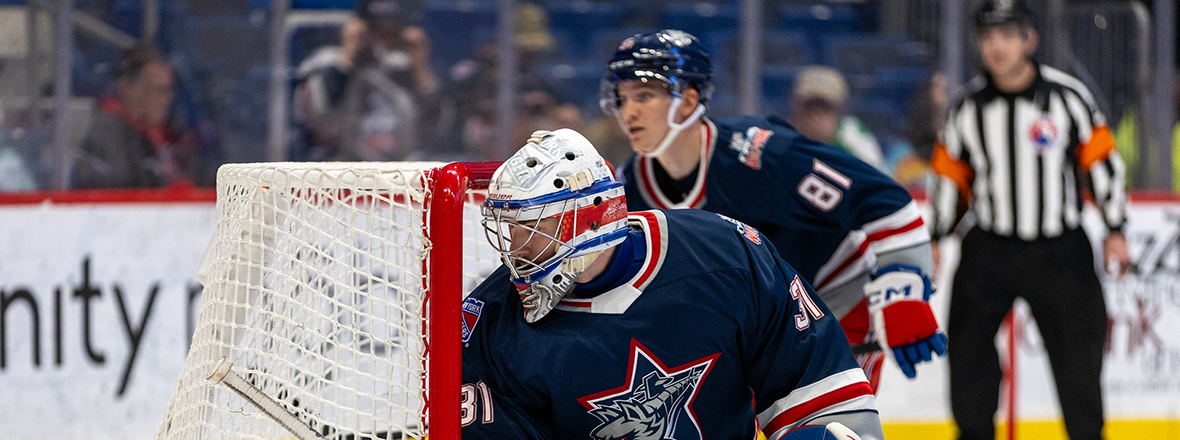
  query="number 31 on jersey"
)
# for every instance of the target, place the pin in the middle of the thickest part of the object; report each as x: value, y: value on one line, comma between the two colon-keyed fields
x: 808, y: 310
x: 468, y: 411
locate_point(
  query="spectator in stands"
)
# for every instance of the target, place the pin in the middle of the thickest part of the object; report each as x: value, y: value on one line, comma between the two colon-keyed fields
x: 908, y: 158
x: 361, y: 100
x: 1128, y: 141
x: 817, y: 110
x: 399, y: 44
x: 606, y: 134
x: 14, y: 173
x: 925, y: 118
x: 135, y: 141
x: 471, y: 96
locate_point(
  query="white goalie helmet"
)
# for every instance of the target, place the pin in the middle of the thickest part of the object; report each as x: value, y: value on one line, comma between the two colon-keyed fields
x: 556, y: 175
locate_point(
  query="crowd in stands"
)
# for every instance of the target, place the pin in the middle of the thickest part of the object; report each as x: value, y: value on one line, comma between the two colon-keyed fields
x: 417, y: 80
x: 134, y: 140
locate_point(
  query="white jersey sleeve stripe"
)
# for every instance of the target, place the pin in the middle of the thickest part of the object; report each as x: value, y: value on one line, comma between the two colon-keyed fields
x: 844, y: 391
x: 901, y: 237
x: 858, y: 404
x: 849, y: 260
x: 857, y: 252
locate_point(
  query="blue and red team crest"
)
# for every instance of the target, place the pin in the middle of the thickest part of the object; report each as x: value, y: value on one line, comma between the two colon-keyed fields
x: 1042, y: 133
x: 471, y: 309
x: 656, y: 401
x: 749, y: 146
x: 746, y: 230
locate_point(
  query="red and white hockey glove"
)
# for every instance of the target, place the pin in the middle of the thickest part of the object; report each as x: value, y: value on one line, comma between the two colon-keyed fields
x: 902, y: 320
x: 833, y: 431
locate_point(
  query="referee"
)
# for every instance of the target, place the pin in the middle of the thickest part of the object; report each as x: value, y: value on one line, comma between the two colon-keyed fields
x: 1016, y: 151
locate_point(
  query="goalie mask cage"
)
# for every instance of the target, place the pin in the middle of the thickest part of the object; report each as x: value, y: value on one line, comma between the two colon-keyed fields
x: 333, y: 290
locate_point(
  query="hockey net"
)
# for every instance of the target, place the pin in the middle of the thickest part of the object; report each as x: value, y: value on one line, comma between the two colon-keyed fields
x: 333, y: 291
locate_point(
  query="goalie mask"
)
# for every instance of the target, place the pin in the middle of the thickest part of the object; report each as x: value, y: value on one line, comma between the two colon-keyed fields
x: 676, y: 59
x: 552, y: 208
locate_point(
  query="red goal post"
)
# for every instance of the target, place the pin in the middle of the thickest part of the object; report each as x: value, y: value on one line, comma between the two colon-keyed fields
x: 332, y: 301
x: 451, y: 184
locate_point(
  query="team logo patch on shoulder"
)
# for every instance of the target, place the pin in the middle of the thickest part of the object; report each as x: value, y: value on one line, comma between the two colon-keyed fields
x: 471, y: 310
x: 749, y: 146
x: 655, y: 403
x: 746, y: 230
x: 1042, y: 133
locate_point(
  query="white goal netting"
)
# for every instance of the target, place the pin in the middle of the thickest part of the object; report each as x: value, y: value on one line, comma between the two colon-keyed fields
x: 315, y: 288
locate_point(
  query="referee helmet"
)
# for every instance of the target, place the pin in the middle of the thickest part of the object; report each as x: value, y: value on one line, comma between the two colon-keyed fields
x: 1002, y: 12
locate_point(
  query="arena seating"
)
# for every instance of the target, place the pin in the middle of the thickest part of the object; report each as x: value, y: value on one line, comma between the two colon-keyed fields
x: 882, y: 70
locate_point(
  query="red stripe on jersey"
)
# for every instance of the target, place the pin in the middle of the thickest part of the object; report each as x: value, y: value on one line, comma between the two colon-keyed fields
x: 798, y: 412
x: 576, y: 303
x: 874, y: 237
x: 704, y: 167
x: 653, y: 246
x: 647, y: 177
x: 647, y: 182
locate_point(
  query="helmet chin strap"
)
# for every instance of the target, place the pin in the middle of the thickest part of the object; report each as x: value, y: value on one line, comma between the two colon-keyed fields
x: 674, y: 129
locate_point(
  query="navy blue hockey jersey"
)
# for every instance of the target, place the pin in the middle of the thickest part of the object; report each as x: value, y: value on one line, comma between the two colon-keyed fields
x: 827, y: 212
x: 714, y: 337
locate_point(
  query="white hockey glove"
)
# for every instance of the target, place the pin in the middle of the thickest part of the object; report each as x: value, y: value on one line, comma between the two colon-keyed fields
x: 902, y: 320
x: 833, y: 431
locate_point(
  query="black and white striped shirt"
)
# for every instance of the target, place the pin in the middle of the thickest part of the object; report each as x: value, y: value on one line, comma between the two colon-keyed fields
x: 1018, y: 159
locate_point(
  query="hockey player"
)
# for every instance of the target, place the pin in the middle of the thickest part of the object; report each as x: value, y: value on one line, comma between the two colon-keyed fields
x: 850, y: 231
x: 608, y: 325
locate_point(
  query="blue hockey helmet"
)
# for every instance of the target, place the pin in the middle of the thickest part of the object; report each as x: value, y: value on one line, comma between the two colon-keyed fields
x: 673, y: 57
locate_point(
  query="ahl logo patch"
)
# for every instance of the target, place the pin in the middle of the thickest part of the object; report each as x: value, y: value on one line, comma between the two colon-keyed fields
x: 749, y: 146
x: 655, y: 403
x: 471, y: 309
x: 1042, y: 133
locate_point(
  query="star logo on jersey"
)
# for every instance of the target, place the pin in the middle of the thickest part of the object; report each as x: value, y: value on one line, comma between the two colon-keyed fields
x: 472, y: 308
x: 749, y: 146
x: 654, y: 404
x: 1042, y: 133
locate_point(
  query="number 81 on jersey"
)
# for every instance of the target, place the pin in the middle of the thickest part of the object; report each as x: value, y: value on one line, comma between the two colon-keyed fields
x: 823, y: 195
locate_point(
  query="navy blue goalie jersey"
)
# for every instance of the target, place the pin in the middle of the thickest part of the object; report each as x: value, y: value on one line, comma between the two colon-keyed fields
x: 714, y: 337
x: 827, y: 212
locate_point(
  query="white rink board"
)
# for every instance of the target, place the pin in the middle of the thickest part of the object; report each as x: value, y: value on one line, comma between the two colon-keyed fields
x: 1141, y: 371
x: 138, y: 246
x: 133, y: 248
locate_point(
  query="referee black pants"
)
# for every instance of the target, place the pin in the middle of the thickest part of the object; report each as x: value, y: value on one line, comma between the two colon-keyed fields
x: 1056, y: 277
